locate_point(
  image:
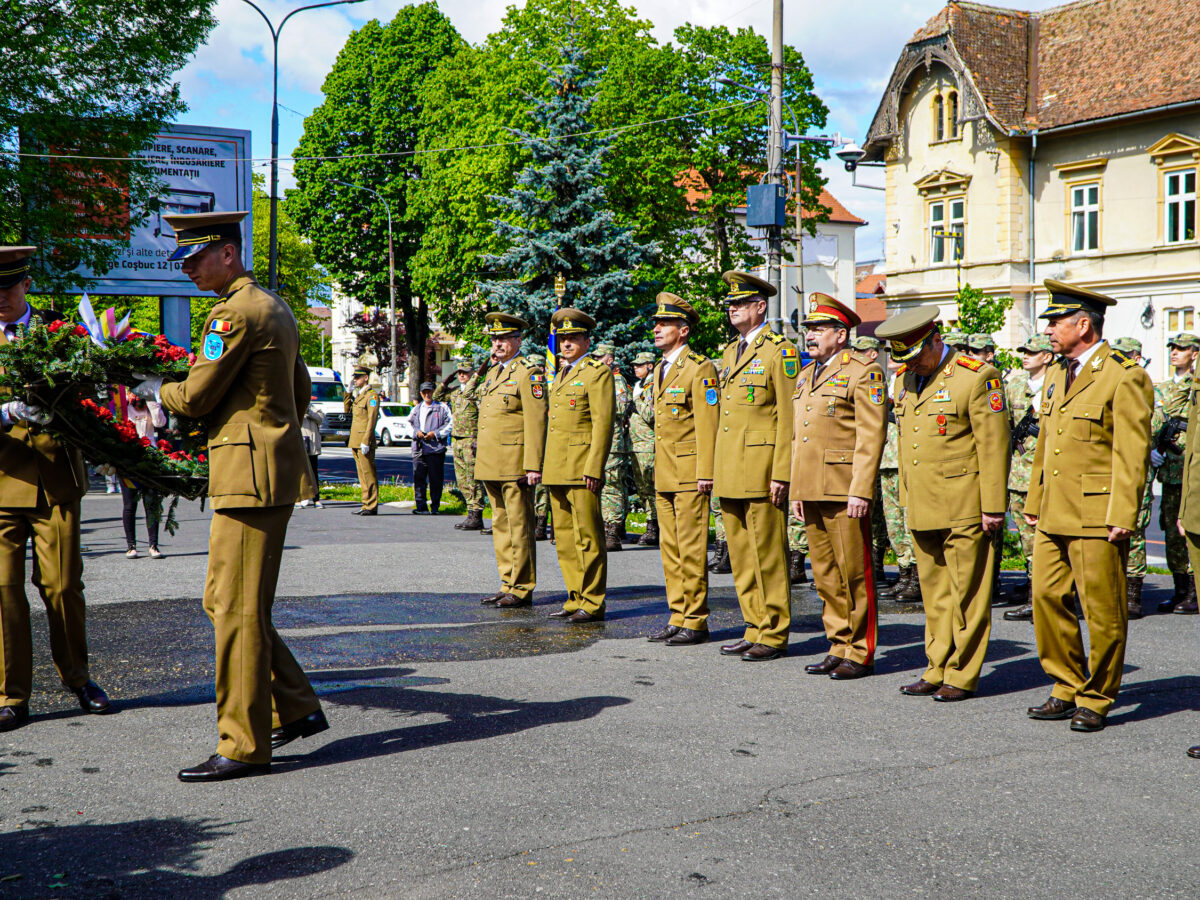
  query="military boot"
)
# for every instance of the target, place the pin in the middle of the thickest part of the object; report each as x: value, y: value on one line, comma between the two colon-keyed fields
x: 1133, y: 596
x: 1188, y: 607
x: 883, y: 590
x: 911, y: 591
x: 650, y: 538
x: 539, y: 528
x: 473, y: 521
x: 612, y: 538
x: 796, y: 571
x: 720, y: 564
x: 1181, y: 593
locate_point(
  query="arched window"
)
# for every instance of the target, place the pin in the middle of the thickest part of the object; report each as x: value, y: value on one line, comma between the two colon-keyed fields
x: 952, y: 114
x: 939, y: 118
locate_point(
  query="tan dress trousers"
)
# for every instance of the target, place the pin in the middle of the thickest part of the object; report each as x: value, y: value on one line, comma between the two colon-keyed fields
x: 839, y: 549
x: 756, y: 532
x: 367, y: 477
x: 512, y: 536
x: 683, y: 540
x: 579, y: 538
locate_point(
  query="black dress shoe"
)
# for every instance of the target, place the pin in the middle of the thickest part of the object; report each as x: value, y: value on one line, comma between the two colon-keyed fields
x: 737, y: 648
x: 1086, y: 720
x: 562, y: 614
x: 668, y: 632
x: 919, y: 688
x: 849, y: 670
x: 486, y: 529
x: 1020, y: 614
x: 686, y: 637
x: 512, y: 601
x: 420, y: 512
x: 369, y: 512
x: 313, y: 723
x: 494, y: 599
x: 356, y: 512
x: 219, y: 768
x: 825, y: 666
x: 948, y: 693
x: 92, y: 698
x: 1052, y: 709
x: 579, y: 617
x: 1194, y: 752
x: 763, y: 653
x: 13, y: 717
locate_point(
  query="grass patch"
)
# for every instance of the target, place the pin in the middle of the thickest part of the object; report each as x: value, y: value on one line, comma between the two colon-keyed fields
x: 391, y: 493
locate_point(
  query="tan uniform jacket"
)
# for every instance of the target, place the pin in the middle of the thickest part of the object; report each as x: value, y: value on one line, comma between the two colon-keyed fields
x: 1089, y: 468
x: 579, y: 435
x: 1189, y: 502
x: 512, y: 422
x: 29, y: 458
x: 685, y: 422
x: 365, y: 407
x: 954, y: 445
x: 754, y: 436
x: 252, y: 387
x: 840, y: 424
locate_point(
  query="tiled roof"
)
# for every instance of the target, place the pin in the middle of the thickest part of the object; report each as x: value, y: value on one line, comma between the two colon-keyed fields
x: 696, y: 191
x: 871, y: 284
x: 1091, y: 59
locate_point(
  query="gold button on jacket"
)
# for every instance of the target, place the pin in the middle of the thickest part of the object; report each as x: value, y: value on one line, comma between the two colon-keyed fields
x: 1102, y: 427
x: 685, y: 422
x: 840, y: 423
x: 512, y: 422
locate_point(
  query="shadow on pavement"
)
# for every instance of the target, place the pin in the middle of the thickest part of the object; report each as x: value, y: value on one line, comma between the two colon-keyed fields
x: 1152, y: 699
x: 143, y: 858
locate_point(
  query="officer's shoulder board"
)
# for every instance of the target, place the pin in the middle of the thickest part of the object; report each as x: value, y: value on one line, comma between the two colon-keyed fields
x: 594, y: 364
x: 694, y: 357
x: 970, y: 363
x: 775, y: 338
x: 1123, y: 359
x: 902, y: 369
x: 860, y: 357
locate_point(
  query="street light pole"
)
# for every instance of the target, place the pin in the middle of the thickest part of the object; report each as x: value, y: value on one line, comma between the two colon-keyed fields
x: 775, y: 166
x: 273, y: 251
x: 391, y: 282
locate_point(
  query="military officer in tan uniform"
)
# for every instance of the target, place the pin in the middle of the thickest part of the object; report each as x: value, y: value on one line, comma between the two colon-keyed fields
x: 753, y: 460
x: 41, y: 484
x: 364, y: 401
x: 839, y: 422
x: 252, y: 388
x: 684, y: 390
x: 1089, y: 469
x: 954, y: 454
x: 581, y: 409
x: 1189, y: 502
x: 511, y: 442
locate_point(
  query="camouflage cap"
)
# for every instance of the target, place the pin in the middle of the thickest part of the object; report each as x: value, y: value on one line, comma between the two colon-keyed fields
x: 1185, y: 340
x: 954, y: 338
x: 645, y: 359
x: 605, y: 349
x: 1039, y: 343
x: 1126, y: 345
x: 866, y: 343
x: 981, y: 342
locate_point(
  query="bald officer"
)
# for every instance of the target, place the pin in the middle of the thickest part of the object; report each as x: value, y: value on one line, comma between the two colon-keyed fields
x: 252, y: 388
x: 683, y: 388
x: 752, y: 467
x: 512, y: 437
x: 578, y: 438
x: 954, y: 453
x: 839, y: 423
x: 1085, y: 490
x: 41, y: 484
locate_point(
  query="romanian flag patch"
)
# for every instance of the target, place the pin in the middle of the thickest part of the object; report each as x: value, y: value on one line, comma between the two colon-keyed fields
x: 874, y: 376
x: 710, y: 382
x: 220, y: 326
x: 992, y: 384
x: 787, y: 352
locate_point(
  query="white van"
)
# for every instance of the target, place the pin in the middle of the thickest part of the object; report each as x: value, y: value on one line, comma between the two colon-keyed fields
x: 327, y: 396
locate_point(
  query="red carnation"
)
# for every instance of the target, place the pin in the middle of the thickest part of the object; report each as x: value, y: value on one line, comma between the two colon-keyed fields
x: 145, y: 442
x: 201, y: 458
x: 55, y: 325
x: 79, y: 331
x: 164, y: 446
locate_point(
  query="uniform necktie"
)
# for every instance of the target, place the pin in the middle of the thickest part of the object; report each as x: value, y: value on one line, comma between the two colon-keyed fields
x: 1072, y: 371
x: 662, y: 372
x: 922, y: 380
x: 817, y: 373
x: 741, y: 347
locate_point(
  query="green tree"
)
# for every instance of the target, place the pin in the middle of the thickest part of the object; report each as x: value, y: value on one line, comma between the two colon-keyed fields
x: 981, y: 314
x: 87, y: 79
x: 369, y: 120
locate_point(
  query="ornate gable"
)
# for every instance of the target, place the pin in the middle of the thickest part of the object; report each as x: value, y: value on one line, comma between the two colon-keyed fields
x: 943, y: 181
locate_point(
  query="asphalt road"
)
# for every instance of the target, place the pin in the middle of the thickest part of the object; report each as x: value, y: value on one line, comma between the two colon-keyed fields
x: 484, y: 753
x: 392, y: 464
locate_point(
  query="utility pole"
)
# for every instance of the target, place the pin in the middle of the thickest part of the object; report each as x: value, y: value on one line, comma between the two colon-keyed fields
x: 775, y: 166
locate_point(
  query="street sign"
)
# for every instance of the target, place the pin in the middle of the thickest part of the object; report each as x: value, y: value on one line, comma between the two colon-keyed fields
x: 204, y: 170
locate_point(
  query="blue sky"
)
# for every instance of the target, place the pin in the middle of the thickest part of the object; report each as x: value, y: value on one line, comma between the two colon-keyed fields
x: 850, y: 47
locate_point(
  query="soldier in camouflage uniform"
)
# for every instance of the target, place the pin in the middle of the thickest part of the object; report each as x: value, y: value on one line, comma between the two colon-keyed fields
x: 982, y: 347
x: 1166, y: 453
x: 797, y: 537
x: 907, y: 588
x: 1135, y: 564
x: 1024, y: 393
x: 464, y: 413
x: 871, y: 347
x: 541, y: 496
x: 641, y: 439
x: 718, y: 563
x: 614, y: 498
x: 956, y: 340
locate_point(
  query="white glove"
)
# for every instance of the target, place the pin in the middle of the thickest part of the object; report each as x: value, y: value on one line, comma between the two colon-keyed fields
x: 1156, y: 459
x: 364, y: 449
x: 148, y: 389
x: 19, y: 411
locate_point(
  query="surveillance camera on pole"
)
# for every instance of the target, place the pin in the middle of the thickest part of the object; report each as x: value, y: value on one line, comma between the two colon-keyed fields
x: 850, y: 154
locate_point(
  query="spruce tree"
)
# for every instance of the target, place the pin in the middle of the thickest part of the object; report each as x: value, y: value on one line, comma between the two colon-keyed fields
x: 559, y: 221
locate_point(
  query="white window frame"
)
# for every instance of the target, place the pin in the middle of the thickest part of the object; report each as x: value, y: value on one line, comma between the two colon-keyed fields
x: 949, y: 222
x: 1087, y: 213
x: 1182, y: 204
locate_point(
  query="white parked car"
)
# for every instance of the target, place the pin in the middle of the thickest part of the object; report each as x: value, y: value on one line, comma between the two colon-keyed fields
x: 392, y: 426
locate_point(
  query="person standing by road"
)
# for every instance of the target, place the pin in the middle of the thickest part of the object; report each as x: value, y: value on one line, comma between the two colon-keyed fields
x: 310, y: 430
x: 614, y: 498
x: 251, y: 387
x: 147, y: 418
x: 1171, y: 397
x: 431, y: 424
x: 364, y: 401
x: 641, y: 439
x: 1085, y: 489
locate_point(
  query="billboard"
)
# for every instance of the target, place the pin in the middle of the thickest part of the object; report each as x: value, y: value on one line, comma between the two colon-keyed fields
x: 203, y: 170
